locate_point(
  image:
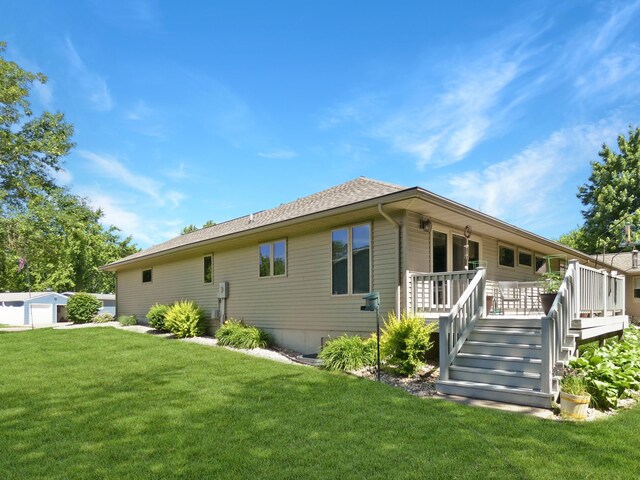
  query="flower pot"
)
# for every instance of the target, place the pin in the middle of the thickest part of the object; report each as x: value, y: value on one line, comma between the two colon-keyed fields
x: 547, y: 300
x: 489, y: 304
x: 574, y: 406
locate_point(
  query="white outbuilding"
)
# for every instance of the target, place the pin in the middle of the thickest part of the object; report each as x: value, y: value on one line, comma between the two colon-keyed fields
x: 37, y: 308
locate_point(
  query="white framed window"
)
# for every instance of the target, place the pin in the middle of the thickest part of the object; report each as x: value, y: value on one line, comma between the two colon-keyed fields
x: 448, y: 250
x: 525, y: 258
x: 636, y: 289
x: 351, y: 260
x: 506, y: 256
x: 147, y: 275
x: 207, y: 269
x: 272, y: 259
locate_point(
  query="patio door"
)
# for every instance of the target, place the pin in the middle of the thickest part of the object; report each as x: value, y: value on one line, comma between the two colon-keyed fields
x: 449, y: 253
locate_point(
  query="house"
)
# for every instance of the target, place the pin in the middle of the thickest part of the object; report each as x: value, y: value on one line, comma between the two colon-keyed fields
x: 39, y: 308
x: 629, y: 264
x: 299, y: 271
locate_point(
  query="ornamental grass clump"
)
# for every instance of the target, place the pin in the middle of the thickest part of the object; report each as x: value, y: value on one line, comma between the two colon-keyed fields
x: 235, y: 333
x: 185, y: 319
x: 156, y: 316
x: 127, y: 320
x: 405, y: 342
x: 82, y: 307
x: 103, y: 318
x: 348, y: 353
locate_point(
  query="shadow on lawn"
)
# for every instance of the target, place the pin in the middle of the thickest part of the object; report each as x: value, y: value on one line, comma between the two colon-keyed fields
x: 136, y: 407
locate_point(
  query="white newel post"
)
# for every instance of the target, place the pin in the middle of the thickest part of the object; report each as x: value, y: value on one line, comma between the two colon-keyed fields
x: 482, y: 292
x: 604, y: 292
x: 546, y: 373
x: 444, y: 347
x: 577, y: 295
x: 407, y: 295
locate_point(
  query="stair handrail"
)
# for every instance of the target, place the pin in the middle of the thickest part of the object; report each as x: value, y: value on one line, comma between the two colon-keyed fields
x: 555, y: 325
x: 456, y: 326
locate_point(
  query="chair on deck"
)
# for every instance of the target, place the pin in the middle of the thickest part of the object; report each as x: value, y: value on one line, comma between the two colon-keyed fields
x: 508, y: 293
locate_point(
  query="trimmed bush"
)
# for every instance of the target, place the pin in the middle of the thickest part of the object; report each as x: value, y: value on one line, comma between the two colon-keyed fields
x: 82, y: 307
x: 185, y: 319
x: 404, y: 343
x: 236, y: 334
x: 156, y: 316
x: 103, y: 318
x: 127, y: 320
x: 348, y: 353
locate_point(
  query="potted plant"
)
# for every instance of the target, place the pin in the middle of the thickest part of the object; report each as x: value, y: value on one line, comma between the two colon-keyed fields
x: 574, y: 397
x: 551, y: 282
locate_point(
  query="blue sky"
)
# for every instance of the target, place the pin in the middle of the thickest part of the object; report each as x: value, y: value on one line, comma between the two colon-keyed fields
x: 190, y: 111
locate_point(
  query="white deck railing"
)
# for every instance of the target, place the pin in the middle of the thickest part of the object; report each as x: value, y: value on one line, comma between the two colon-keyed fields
x: 458, y: 324
x: 600, y: 291
x: 435, y: 293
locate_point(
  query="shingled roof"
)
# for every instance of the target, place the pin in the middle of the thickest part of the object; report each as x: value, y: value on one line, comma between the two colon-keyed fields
x: 622, y: 261
x: 354, y: 191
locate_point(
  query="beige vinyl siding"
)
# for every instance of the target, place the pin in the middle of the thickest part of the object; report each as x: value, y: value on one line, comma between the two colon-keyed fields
x: 418, y: 244
x: 170, y: 282
x: 632, y: 304
x: 298, y: 308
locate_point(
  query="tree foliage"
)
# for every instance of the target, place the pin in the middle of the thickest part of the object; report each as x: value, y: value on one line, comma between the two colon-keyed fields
x: 611, y: 196
x: 58, y: 233
x: 31, y: 147
x: 192, y: 228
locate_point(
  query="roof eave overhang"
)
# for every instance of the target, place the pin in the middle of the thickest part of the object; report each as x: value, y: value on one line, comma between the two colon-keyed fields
x: 372, y: 202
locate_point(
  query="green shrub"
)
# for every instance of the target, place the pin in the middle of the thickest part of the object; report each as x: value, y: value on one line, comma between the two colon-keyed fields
x: 404, y: 343
x: 235, y: 333
x: 127, y: 320
x: 82, y: 307
x: 348, y: 353
x: 185, y: 319
x: 611, y: 371
x: 156, y: 316
x: 103, y: 318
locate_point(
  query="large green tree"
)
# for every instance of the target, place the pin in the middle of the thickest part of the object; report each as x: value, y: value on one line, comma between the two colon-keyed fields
x: 31, y: 146
x: 611, y: 196
x: 58, y: 233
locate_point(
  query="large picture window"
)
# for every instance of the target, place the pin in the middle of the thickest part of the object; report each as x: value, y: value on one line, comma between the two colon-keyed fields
x: 273, y: 259
x: 351, y: 260
x: 636, y: 289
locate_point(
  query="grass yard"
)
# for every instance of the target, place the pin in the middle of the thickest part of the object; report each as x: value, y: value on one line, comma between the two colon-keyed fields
x: 105, y: 403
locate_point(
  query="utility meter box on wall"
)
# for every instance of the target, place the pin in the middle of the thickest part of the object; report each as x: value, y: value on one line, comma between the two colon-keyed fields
x: 223, y: 290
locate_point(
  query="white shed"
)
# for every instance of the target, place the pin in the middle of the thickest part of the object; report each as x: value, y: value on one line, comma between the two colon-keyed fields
x: 37, y: 308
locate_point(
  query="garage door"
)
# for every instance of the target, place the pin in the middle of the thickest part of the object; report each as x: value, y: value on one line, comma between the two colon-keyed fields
x: 41, y: 314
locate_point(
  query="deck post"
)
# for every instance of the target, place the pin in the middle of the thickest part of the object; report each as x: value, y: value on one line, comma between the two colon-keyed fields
x: 408, y: 307
x: 576, y: 299
x: 444, y: 347
x: 605, y: 276
x: 482, y: 292
x: 546, y: 371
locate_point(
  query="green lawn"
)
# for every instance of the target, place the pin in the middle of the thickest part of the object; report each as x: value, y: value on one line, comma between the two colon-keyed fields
x: 105, y: 403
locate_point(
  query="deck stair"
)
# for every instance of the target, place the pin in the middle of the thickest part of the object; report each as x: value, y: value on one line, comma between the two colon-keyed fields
x: 501, y: 361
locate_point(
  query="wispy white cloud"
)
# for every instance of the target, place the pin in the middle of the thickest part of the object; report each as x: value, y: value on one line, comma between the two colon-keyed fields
x: 278, y: 154
x: 129, y: 13
x: 146, y: 229
x: 63, y: 177
x: 139, y: 111
x: 109, y: 166
x: 94, y: 86
x: 536, y: 181
x: 614, y: 27
x: 178, y: 173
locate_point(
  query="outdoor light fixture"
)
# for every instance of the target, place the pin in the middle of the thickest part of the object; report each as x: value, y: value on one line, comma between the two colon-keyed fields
x: 425, y: 224
x: 372, y: 303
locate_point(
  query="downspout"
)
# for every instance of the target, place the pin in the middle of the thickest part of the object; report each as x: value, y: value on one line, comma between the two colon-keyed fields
x: 388, y: 218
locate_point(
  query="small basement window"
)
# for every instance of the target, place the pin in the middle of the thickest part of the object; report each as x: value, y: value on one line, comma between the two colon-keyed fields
x: 146, y: 276
x: 506, y: 256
